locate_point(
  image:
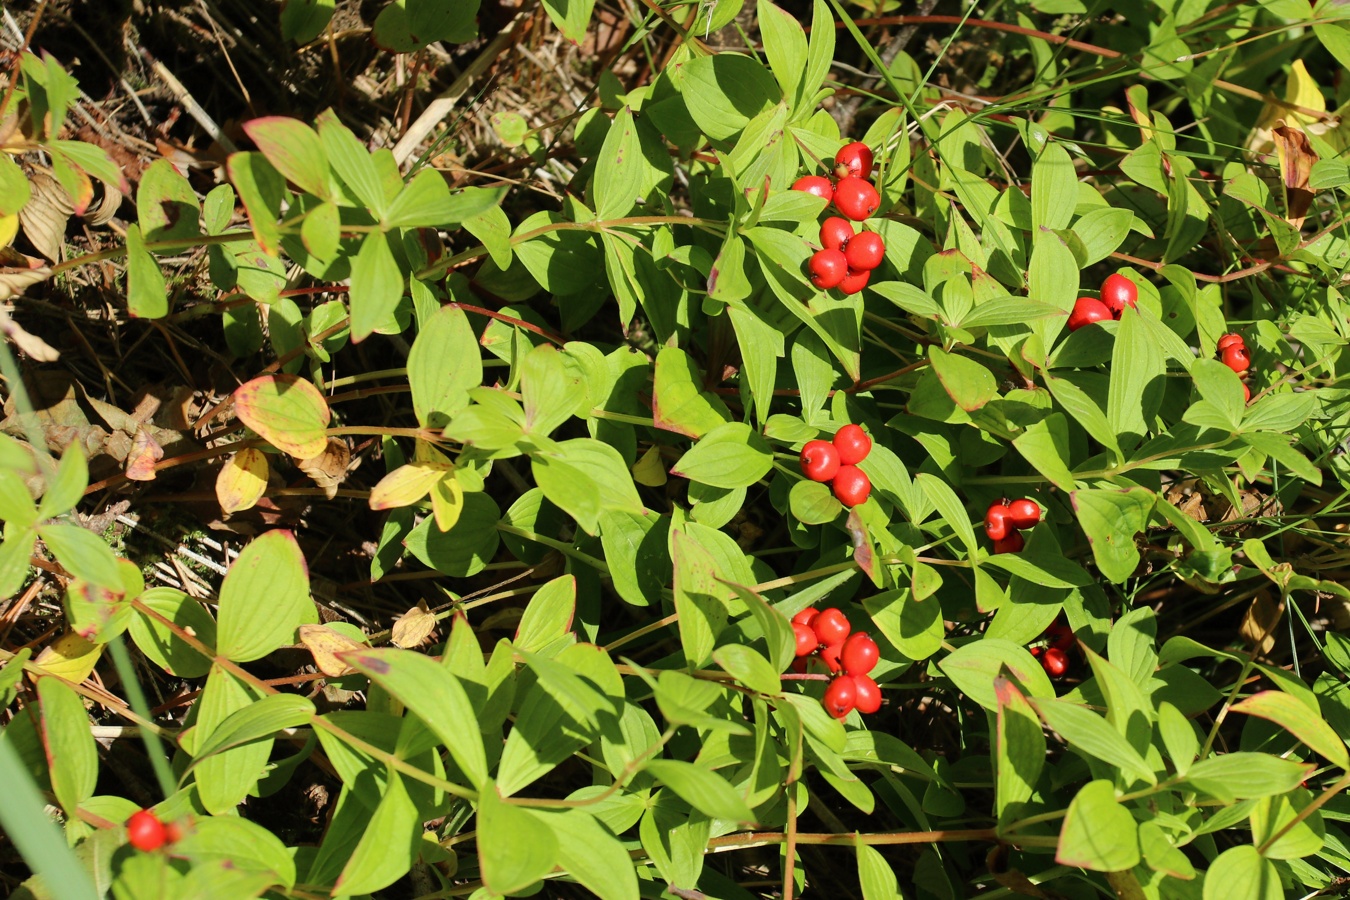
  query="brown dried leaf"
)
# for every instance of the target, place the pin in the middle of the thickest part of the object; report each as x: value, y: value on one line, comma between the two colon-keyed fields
x: 413, y: 627
x: 329, y: 468
x: 45, y: 215
x: 145, y: 452
x: 1260, y: 622
x: 14, y: 280
x: 1296, y: 162
x: 325, y: 644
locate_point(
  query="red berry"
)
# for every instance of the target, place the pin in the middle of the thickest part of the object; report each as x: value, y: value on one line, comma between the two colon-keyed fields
x: 1086, y: 310
x: 840, y: 696
x: 835, y: 233
x: 866, y: 694
x: 1055, y: 662
x: 1246, y: 393
x: 860, y: 654
x: 856, y: 198
x: 1024, y: 513
x: 1231, y: 339
x: 1119, y: 292
x: 1237, y: 359
x: 799, y: 665
x: 852, y: 487
x: 865, y: 252
x: 829, y: 654
x: 853, y: 445
x: 831, y: 626
x: 145, y: 831
x: 805, y: 616
x: 1013, y: 543
x: 1060, y: 635
x: 828, y: 268
x: 996, y: 523
x: 807, y: 642
x: 853, y: 159
x: 818, y: 185
x: 855, y: 281
x: 820, y: 460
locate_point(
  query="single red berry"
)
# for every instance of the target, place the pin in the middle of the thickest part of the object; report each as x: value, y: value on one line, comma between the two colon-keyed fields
x: 818, y: 185
x: 1237, y: 359
x: 853, y: 444
x: 1055, y: 662
x: 1060, y: 635
x: 806, y: 616
x: 853, y: 159
x: 1024, y: 513
x: 865, y: 252
x: 1086, y: 310
x: 807, y: 642
x: 840, y: 696
x: 856, y: 198
x: 996, y: 523
x: 828, y: 268
x: 860, y: 653
x: 1119, y: 292
x: 831, y: 626
x: 855, y: 281
x: 145, y: 831
x: 1232, y: 339
x: 829, y: 654
x: 820, y: 460
x: 835, y: 233
x: 1013, y: 543
x: 799, y: 665
x: 866, y: 694
x: 1246, y: 393
x: 852, y: 487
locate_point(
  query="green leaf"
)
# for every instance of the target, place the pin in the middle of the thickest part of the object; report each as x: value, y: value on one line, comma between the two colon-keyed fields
x: 701, y: 788
x: 1242, y: 775
x: 388, y: 844
x: 352, y: 162
x: 774, y: 627
x: 1102, y: 231
x: 264, y: 598
x: 1279, y: 412
x: 819, y: 56
x: 294, y: 150
x: 678, y: 404
x: 1098, y: 833
x: 949, y: 506
x: 469, y: 544
x: 16, y: 504
x: 748, y: 667
x: 729, y: 456
x: 376, y: 285
x: 66, y: 487
x: 571, y: 17
x: 515, y: 849
x: 585, y: 477
x: 1271, y: 815
x: 71, y: 753
x: 784, y: 45
x: 1045, y: 444
x: 876, y: 878
x: 1085, y: 412
x: 166, y: 204
x: 286, y: 411
x: 813, y: 503
x: 974, y: 666
x: 1093, y: 736
x: 1303, y: 723
x: 147, y: 293
x: 304, y: 20
x: 1019, y: 749
x: 969, y: 384
x: 426, y: 202
x: 618, y: 173
x: 434, y: 695
x: 592, y: 855
x: 83, y: 554
x: 1131, y: 642
x: 548, y: 615
x: 1053, y: 180
x: 1241, y: 873
x: 223, y: 780
x: 914, y: 627
x: 549, y: 390
x: 443, y: 365
x: 1138, y: 377
x: 14, y: 188
x: 724, y: 92
x: 1111, y: 519
x: 238, y: 844
x: 260, y: 719
x: 698, y: 598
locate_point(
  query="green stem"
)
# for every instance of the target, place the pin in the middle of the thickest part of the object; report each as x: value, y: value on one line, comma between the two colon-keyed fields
x: 562, y: 547
x: 153, y: 748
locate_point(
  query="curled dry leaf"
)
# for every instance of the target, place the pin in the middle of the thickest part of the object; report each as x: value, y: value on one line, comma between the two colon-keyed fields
x: 329, y: 468
x: 145, y: 452
x: 413, y: 627
x: 15, y: 279
x: 242, y: 481
x: 1260, y: 622
x: 45, y: 214
x: 325, y: 644
x: 32, y: 345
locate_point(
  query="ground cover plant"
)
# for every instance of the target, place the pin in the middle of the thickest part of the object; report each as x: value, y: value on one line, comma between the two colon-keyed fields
x: 668, y: 449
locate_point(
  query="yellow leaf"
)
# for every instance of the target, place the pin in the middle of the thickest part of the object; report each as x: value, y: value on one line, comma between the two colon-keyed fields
x: 447, y: 501
x: 71, y: 657
x: 9, y: 226
x: 407, y: 484
x: 649, y: 471
x: 325, y: 643
x: 425, y: 452
x: 242, y: 481
x: 413, y: 627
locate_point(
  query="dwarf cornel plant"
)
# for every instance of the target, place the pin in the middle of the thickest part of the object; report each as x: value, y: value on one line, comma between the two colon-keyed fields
x: 1099, y: 568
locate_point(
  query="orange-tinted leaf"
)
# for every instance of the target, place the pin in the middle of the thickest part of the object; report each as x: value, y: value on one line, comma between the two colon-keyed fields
x: 145, y: 452
x: 294, y: 149
x: 242, y: 481
x: 287, y: 411
x: 324, y: 643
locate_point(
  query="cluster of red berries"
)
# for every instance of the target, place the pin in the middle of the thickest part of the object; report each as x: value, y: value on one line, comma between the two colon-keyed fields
x: 1117, y: 293
x: 849, y: 657
x: 1004, y: 521
x: 146, y: 832
x: 837, y: 462
x: 1233, y: 354
x: 1054, y: 654
x: 846, y: 259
